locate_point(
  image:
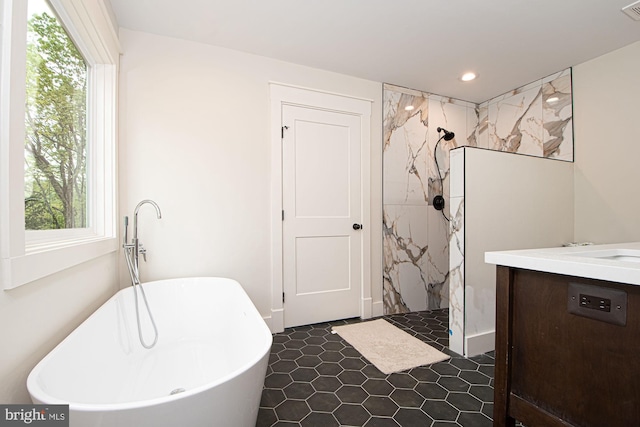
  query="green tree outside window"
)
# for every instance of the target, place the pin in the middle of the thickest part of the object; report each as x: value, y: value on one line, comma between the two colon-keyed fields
x: 56, y: 128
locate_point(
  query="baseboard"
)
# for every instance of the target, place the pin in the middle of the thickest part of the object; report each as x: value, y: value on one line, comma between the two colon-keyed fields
x: 377, y: 309
x: 368, y: 309
x: 275, y: 322
x: 365, y: 308
x: 479, y: 343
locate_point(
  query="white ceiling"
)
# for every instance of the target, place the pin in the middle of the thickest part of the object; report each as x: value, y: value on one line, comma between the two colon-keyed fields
x: 420, y: 44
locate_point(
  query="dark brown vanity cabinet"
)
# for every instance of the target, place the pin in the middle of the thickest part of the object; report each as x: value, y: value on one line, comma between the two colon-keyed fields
x: 556, y: 367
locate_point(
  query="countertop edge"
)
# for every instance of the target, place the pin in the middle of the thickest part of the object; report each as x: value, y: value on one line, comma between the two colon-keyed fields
x: 572, y: 261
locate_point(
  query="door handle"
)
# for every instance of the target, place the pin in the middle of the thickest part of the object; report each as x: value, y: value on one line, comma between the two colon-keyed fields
x: 357, y: 226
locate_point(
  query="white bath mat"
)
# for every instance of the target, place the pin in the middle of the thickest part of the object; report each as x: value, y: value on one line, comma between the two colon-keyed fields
x: 389, y: 348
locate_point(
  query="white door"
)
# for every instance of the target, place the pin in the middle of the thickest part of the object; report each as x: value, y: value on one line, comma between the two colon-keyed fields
x: 321, y: 189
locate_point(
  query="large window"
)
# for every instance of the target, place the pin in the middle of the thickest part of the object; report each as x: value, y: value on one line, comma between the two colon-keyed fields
x: 56, y: 125
x: 58, y: 79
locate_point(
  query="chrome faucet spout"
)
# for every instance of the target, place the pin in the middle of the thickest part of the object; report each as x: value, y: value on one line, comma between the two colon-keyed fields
x: 135, y: 214
x: 131, y: 252
x: 136, y: 243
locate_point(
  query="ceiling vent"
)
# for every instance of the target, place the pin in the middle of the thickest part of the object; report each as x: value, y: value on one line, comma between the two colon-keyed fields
x: 633, y: 10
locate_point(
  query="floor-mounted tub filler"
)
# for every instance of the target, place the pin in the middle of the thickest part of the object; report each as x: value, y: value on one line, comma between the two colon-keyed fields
x: 207, y: 368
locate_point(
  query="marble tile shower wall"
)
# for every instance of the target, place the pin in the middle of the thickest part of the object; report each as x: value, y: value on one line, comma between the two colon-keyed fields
x: 534, y: 120
x: 416, y: 263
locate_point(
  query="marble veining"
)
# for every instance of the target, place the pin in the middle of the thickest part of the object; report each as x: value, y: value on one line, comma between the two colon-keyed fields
x: 405, y: 248
x: 405, y: 200
x: 482, y: 130
x: 416, y: 236
x: 405, y: 146
x: 557, y: 116
x: 456, y: 280
x: 437, y: 260
x: 535, y: 119
x: 515, y: 123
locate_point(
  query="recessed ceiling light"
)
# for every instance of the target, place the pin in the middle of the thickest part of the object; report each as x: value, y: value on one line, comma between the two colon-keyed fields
x: 409, y: 107
x: 467, y: 77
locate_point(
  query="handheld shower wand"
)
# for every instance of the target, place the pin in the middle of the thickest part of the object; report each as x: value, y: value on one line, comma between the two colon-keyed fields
x: 438, y: 200
x: 131, y: 252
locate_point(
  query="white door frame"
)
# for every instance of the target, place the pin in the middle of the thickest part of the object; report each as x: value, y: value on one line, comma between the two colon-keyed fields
x: 281, y: 94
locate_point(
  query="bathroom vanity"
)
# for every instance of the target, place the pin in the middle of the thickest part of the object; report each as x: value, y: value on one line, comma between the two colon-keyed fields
x: 568, y: 336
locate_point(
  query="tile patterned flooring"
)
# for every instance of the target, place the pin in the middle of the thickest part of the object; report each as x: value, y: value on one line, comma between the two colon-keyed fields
x: 315, y: 378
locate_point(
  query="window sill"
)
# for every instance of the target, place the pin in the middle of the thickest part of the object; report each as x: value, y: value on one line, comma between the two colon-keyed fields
x: 44, y: 260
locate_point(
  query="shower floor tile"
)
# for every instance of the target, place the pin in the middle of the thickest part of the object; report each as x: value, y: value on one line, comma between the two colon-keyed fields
x: 315, y: 378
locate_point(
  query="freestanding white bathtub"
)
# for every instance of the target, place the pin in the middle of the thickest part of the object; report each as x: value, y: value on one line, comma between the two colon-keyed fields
x: 212, y: 354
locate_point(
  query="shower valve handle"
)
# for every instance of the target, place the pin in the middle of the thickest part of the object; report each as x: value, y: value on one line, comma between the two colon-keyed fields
x: 143, y: 251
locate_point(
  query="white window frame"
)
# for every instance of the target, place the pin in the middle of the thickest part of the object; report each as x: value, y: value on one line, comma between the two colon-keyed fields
x: 30, y: 255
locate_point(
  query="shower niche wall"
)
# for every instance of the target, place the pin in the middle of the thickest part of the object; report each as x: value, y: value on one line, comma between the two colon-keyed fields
x: 534, y: 120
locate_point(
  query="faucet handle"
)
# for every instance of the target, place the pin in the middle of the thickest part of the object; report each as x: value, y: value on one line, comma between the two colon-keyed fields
x: 143, y: 251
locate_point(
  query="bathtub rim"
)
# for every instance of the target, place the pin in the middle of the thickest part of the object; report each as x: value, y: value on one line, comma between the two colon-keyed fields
x: 36, y: 392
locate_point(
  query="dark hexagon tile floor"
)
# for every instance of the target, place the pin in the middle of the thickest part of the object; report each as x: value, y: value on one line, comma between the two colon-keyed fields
x: 316, y: 379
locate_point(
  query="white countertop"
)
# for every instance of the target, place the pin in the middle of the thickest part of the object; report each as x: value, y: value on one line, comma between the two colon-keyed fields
x: 580, y: 261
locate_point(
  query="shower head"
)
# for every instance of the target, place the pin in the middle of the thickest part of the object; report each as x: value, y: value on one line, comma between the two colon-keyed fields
x: 448, y: 136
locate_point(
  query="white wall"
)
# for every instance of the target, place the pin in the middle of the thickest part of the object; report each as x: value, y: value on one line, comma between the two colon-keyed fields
x: 606, y: 96
x: 194, y: 137
x: 35, y: 317
x: 510, y: 202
